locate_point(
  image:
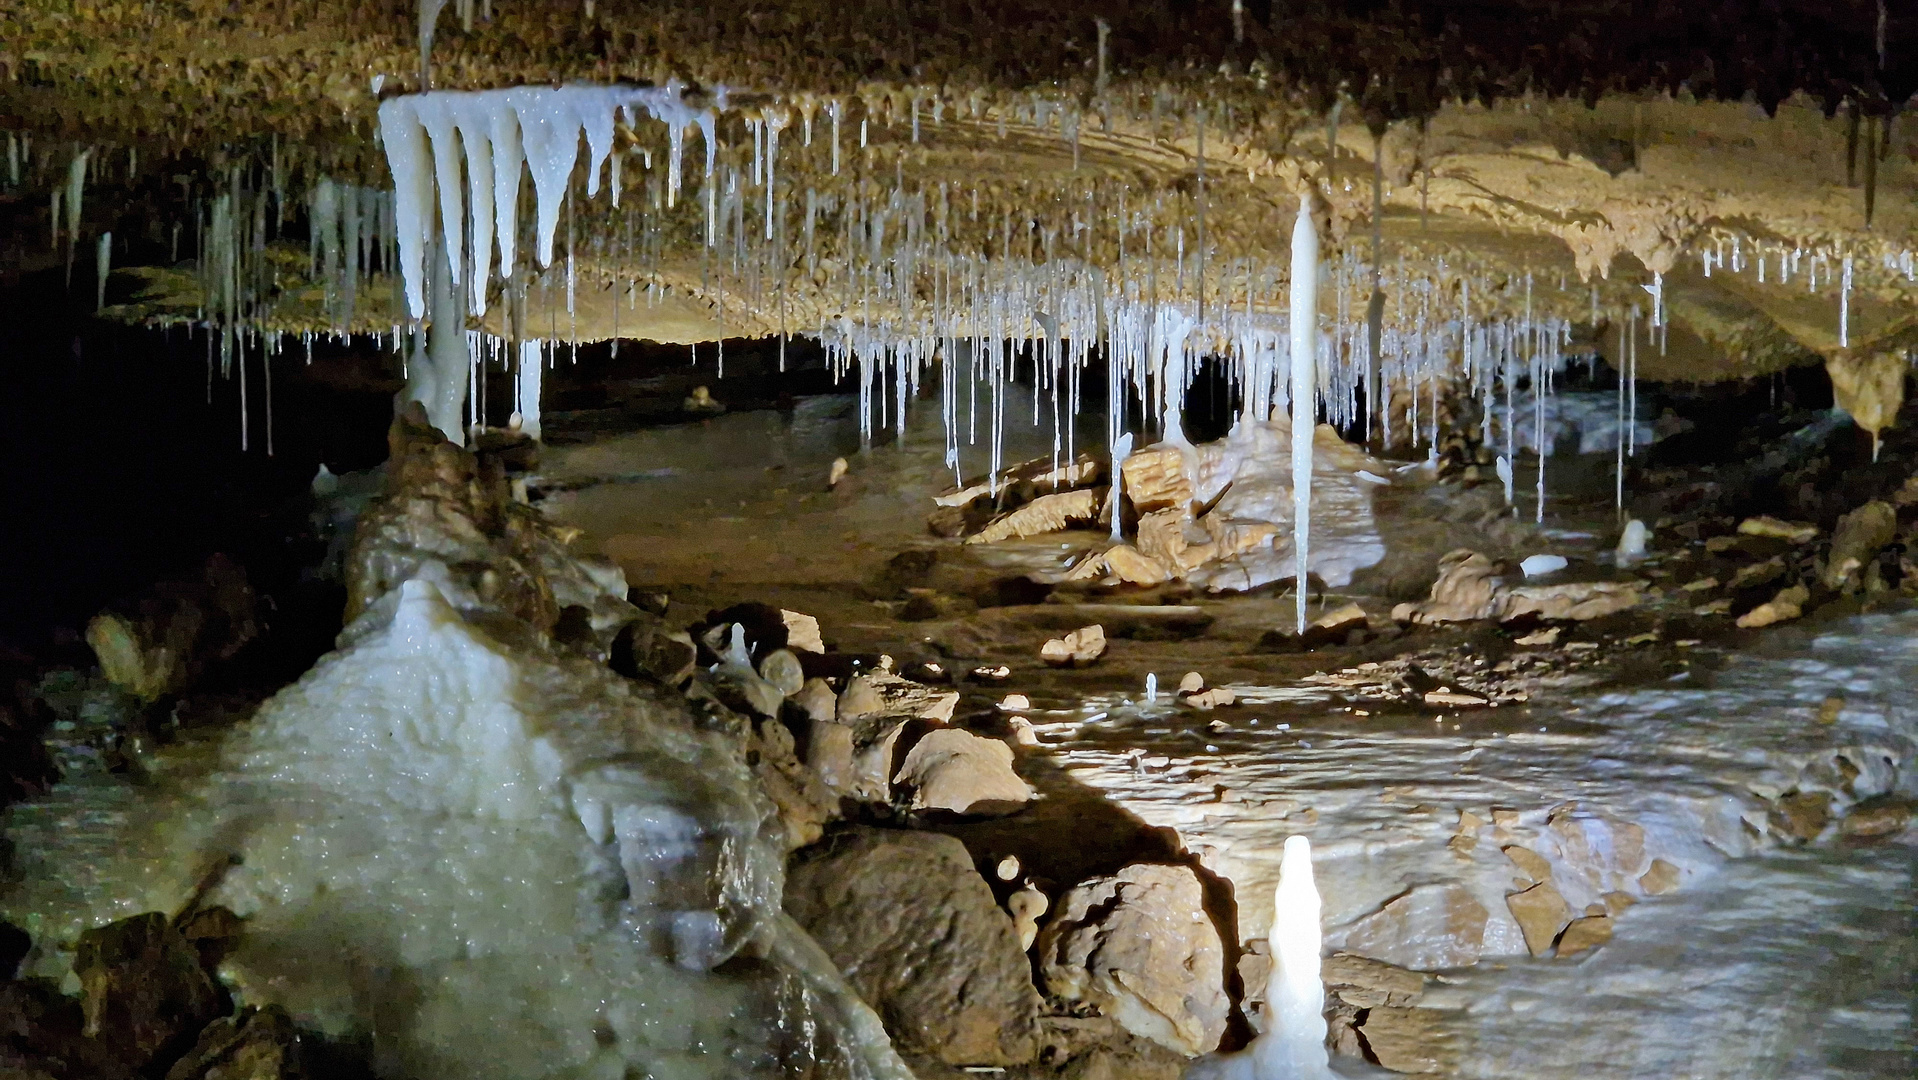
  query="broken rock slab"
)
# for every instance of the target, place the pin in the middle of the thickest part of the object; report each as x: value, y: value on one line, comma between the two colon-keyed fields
x: 916, y: 931
x: 1139, y: 946
x: 1541, y: 914
x: 1045, y: 514
x: 963, y: 773
x: 1425, y: 928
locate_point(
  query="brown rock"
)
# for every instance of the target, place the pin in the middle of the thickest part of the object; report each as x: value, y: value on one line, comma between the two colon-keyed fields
x: 1139, y: 946
x: 1468, y: 587
x: 258, y: 1044
x: 963, y: 773
x: 1575, y: 600
x: 1616, y: 902
x: 1541, y: 913
x: 1585, y: 933
x: 1131, y: 566
x: 1529, y: 862
x: 1796, y: 532
x: 1425, y: 928
x: 1662, y: 878
x: 1369, y: 983
x: 143, y: 991
x: 806, y: 803
x: 829, y: 753
x: 802, y: 632
x: 1801, y: 815
x: 1884, y: 816
x: 915, y: 929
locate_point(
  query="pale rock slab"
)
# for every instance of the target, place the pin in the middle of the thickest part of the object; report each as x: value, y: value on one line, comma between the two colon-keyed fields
x: 955, y: 770
x: 1426, y: 928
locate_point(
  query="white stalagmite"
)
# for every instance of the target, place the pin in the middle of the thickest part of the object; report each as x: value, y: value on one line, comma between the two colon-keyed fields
x: 1292, y: 1044
x: 1305, y: 333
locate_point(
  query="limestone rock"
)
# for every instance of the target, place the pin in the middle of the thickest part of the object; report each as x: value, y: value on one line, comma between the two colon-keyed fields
x: 1468, y: 587
x: 781, y: 669
x: 1425, y: 928
x: 802, y: 632
x: 830, y: 754
x: 645, y: 648
x: 1369, y: 983
x: 1883, y: 816
x: 1155, y: 479
x: 1025, y: 907
x: 1588, y: 932
x: 1604, y: 852
x: 1797, y: 532
x: 1541, y: 913
x: 1759, y: 573
x: 1047, y: 513
x: 1575, y: 600
x: 915, y: 929
x: 805, y: 801
x: 1788, y: 604
x: 1080, y: 647
x: 1530, y: 863
x: 258, y: 1044
x: 958, y: 771
x: 1801, y: 815
x: 1660, y: 878
x: 1404, y: 1040
x: 175, y: 630
x: 1206, y: 700
x: 881, y: 694
x: 816, y: 700
x: 1134, y: 567
x: 143, y: 990
x: 1138, y: 945
x: 1857, y: 539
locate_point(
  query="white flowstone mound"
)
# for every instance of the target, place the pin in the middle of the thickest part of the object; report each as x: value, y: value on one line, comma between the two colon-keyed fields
x: 1249, y: 473
x: 492, y: 860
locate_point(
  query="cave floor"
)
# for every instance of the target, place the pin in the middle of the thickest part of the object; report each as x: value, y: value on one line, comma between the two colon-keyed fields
x: 1657, y: 734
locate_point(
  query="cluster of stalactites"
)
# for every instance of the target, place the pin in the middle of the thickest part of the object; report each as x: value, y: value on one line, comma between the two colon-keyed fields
x: 471, y: 148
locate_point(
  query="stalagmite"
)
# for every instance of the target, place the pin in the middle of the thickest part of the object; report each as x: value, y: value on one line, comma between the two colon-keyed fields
x: 1292, y: 1045
x: 532, y: 362
x: 1305, y: 332
x: 103, y: 265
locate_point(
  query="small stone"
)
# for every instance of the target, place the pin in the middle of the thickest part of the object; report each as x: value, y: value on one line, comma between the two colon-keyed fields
x: 1469, y: 823
x: 1206, y: 700
x: 1504, y: 819
x: 1587, y: 933
x: 1830, y: 709
x: 830, y: 753
x: 1857, y: 539
x: 1191, y: 683
x: 1022, y: 731
x: 1015, y: 703
x: 836, y: 473
x: 1529, y: 862
x: 1661, y: 878
x: 1540, y: 565
x: 1454, y: 699
x: 816, y: 699
x: 1701, y: 585
x: 1547, y: 636
x: 1541, y: 913
x: 1759, y: 573
x: 1076, y: 649
x: 1787, y: 605
x: 1616, y: 902
x: 1008, y: 868
x: 1796, y: 532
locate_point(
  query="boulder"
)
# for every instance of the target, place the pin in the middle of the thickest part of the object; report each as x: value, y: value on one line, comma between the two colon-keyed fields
x: 1425, y: 928
x: 915, y: 929
x: 958, y: 771
x: 1573, y: 600
x: 1139, y: 946
x: 167, y: 637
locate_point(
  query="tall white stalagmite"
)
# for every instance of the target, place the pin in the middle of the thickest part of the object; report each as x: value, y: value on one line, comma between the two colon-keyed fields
x: 1292, y: 1044
x: 1305, y: 335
